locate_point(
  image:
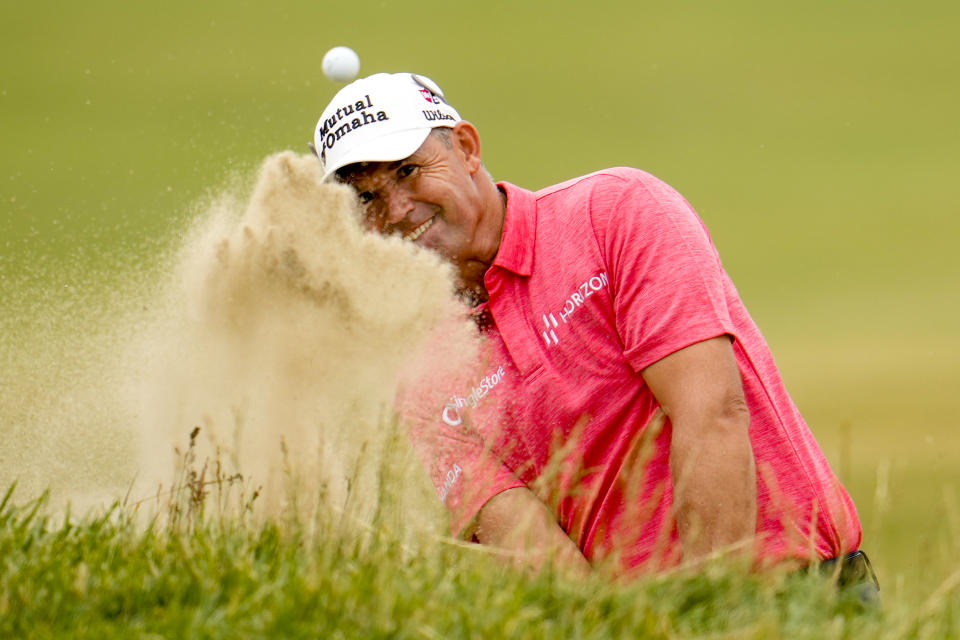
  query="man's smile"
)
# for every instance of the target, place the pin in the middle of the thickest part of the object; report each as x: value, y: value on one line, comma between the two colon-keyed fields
x: 419, y: 231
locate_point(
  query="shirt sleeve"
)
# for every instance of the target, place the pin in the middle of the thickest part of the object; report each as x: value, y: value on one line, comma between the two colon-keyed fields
x: 668, y: 284
x: 464, y: 472
x: 451, y: 425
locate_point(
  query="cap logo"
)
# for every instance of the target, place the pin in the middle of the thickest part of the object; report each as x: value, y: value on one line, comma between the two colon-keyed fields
x: 339, y: 123
x: 405, y: 106
x: 428, y: 96
x: 432, y: 115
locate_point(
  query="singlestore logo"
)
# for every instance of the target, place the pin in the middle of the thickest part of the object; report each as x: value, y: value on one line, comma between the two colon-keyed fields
x: 451, y: 412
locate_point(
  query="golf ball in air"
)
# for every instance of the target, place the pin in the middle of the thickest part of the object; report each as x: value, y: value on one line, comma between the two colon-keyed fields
x: 341, y: 64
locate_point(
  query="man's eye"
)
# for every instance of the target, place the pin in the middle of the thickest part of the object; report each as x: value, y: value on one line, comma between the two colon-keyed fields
x: 406, y: 170
x: 365, y: 197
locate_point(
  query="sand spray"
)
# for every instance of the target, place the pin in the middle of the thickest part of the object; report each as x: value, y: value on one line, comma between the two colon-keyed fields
x: 279, y: 328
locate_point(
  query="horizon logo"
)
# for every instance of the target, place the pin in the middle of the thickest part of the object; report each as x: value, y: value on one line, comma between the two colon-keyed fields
x: 551, y: 337
x: 573, y: 302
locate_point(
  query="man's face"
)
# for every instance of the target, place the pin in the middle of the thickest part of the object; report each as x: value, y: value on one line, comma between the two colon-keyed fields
x: 430, y: 198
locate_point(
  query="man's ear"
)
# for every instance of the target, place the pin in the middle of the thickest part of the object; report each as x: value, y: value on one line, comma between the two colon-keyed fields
x: 467, y: 141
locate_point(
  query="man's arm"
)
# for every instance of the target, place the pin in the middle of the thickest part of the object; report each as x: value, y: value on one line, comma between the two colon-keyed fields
x: 711, y: 460
x: 517, y: 521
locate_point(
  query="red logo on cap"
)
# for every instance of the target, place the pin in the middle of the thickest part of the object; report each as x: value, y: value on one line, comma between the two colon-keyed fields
x: 429, y: 97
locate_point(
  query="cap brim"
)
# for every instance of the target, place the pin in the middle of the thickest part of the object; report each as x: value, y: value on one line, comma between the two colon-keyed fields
x: 386, y: 148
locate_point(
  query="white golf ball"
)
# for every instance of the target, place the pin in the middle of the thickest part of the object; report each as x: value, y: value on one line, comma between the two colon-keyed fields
x: 341, y: 64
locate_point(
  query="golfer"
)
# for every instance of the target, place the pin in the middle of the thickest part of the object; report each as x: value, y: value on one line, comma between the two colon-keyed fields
x: 631, y: 412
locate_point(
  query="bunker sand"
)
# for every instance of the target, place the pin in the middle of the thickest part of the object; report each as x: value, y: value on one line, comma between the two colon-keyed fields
x: 282, y: 330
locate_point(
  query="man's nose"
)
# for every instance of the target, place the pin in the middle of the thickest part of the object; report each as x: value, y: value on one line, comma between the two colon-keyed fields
x: 399, y: 204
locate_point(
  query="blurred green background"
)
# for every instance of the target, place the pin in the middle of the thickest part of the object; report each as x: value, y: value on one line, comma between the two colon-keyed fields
x: 818, y: 140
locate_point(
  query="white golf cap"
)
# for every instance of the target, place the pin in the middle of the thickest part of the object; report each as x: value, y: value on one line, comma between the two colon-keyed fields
x: 380, y: 118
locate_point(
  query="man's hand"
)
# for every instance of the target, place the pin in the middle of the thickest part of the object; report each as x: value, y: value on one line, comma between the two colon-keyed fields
x: 711, y: 459
x: 517, y: 521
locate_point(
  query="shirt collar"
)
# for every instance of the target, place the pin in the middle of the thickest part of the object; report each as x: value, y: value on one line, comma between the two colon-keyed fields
x: 520, y: 222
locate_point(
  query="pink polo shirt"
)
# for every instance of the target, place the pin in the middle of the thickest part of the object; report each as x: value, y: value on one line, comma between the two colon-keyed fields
x: 595, y: 279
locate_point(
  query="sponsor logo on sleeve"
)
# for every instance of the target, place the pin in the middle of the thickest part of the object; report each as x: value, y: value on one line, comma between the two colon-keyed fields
x: 453, y: 474
x: 451, y: 412
x: 451, y: 416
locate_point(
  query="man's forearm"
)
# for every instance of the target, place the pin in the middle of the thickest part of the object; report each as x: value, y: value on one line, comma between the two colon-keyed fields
x: 715, y: 485
x: 517, y: 521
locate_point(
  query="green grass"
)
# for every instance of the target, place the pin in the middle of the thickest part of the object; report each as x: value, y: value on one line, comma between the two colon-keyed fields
x: 222, y: 575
